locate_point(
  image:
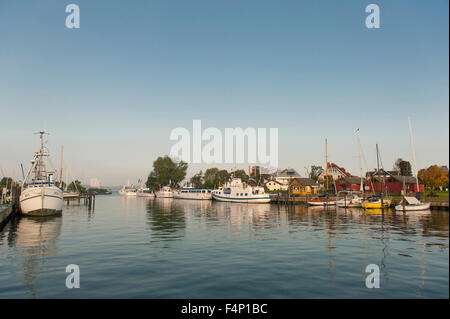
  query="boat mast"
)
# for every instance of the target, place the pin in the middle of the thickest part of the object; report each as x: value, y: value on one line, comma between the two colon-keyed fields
x: 61, y: 167
x: 379, y: 177
x: 414, y: 153
x: 361, y: 188
x: 326, y: 162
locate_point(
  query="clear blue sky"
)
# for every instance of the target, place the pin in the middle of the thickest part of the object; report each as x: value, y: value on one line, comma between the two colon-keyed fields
x: 112, y: 91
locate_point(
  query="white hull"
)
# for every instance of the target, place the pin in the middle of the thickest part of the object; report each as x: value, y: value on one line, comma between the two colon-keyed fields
x: 124, y: 193
x: 41, y: 201
x: 193, y: 196
x: 330, y: 203
x: 422, y: 206
x: 146, y: 195
x: 164, y: 194
x: 251, y: 199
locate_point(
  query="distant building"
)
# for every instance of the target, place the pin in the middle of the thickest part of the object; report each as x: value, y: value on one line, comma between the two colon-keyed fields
x: 94, y: 183
x: 303, y: 186
x: 350, y: 183
x: 334, y: 171
x: 276, y: 186
x: 286, y: 176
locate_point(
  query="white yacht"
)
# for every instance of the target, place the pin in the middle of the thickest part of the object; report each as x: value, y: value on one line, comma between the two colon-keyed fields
x: 128, y: 190
x: 165, y: 192
x: 145, y: 192
x: 238, y: 192
x: 193, y: 193
x: 40, y: 196
x: 350, y: 200
x: 411, y: 204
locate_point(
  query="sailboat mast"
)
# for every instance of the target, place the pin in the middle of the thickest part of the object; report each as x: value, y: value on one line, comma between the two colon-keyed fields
x: 326, y: 162
x: 61, y: 167
x: 414, y: 153
x: 361, y: 188
x: 379, y: 177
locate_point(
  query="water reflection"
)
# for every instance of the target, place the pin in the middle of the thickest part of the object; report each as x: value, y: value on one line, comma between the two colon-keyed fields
x: 166, y: 220
x: 35, y: 242
x: 325, y: 250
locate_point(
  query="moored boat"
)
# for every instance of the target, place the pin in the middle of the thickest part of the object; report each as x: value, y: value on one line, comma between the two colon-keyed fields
x: 349, y: 201
x: 411, y: 204
x: 128, y: 190
x: 238, y: 192
x: 375, y: 202
x: 164, y: 192
x: 321, y: 201
x: 40, y: 196
x: 145, y: 192
x: 193, y: 193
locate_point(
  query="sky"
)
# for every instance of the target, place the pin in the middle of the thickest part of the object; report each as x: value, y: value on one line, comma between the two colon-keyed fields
x: 112, y: 91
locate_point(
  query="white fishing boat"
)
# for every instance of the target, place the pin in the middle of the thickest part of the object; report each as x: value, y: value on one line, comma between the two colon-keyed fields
x: 411, y: 204
x: 128, y: 190
x: 40, y: 196
x: 145, y: 192
x: 238, y: 192
x: 193, y: 193
x: 165, y: 192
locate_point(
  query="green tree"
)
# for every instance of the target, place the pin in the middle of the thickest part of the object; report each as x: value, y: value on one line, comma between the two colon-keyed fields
x: 166, y: 172
x: 404, y: 167
x: 211, y: 178
x: 240, y: 173
x: 76, y: 186
x: 197, y: 180
x: 315, y: 172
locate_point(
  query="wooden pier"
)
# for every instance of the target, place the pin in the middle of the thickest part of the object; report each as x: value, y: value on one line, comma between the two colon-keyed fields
x: 88, y: 200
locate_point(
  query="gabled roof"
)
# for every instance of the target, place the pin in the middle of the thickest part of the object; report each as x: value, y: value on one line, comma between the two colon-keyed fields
x: 382, y: 173
x: 290, y: 172
x: 406, y: 179
x: 352, y: 180
x: 303, y: 181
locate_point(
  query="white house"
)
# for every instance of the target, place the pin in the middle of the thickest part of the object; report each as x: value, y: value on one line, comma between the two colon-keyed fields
x: 286, y: 176
x: 334, y: 171
x: 276, y: 186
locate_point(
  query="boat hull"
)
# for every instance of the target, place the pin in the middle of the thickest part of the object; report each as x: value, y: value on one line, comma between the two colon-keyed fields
x: 330, y: 203
x: 376, y: 205
x: 145, y: 195
x: 406, y: 208
x: 253, y: 199
x: 164, y: 195
x: 41, y: 201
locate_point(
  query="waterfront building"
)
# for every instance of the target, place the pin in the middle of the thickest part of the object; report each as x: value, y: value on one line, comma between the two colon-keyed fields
x: 303, y: 186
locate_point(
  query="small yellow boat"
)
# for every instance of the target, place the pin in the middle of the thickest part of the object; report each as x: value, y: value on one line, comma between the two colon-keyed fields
x: 375, y: 203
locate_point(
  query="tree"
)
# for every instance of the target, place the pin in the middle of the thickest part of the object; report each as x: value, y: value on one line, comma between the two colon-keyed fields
x: 197, y: 180
x: 240, y: 173
x: 166, y: 172
x: 315, y: 172
x: 214, y: 177
x: 404, y: 167
x: 76, y: 186
x: 433, y: 177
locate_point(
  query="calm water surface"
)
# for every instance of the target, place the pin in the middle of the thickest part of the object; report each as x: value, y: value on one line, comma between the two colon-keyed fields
x: 165, y: 248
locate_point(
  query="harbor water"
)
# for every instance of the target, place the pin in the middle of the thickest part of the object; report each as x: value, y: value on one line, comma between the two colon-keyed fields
x: 166, y: 248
